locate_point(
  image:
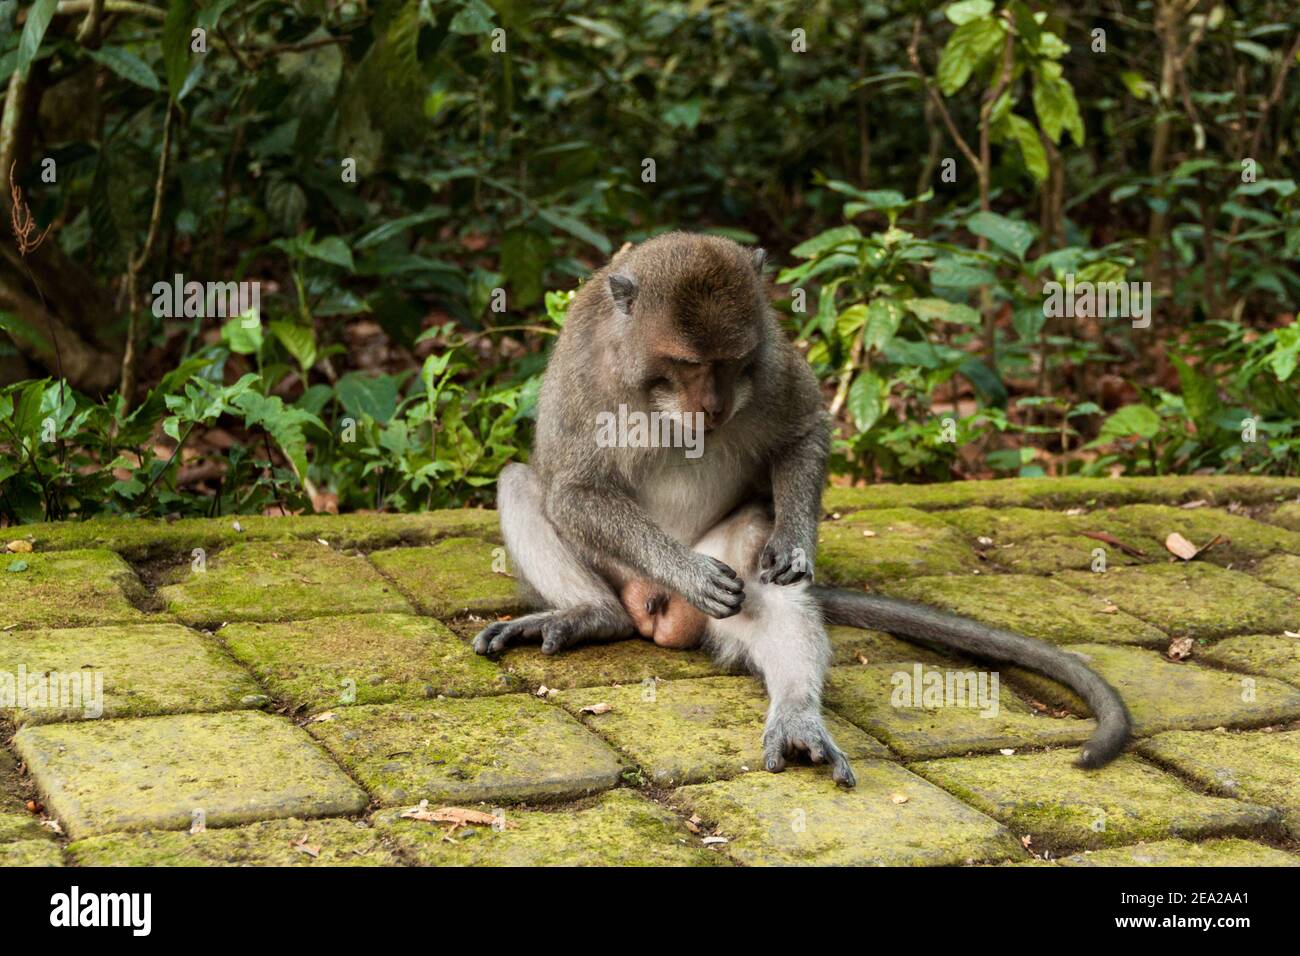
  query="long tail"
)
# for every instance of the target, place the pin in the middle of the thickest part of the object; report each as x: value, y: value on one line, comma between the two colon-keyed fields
x: 925, y: 624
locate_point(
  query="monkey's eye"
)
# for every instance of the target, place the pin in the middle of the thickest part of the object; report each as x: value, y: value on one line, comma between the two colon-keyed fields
x: 657, y: 384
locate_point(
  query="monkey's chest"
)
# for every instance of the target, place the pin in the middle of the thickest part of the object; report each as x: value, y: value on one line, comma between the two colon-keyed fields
x: 688, y: 498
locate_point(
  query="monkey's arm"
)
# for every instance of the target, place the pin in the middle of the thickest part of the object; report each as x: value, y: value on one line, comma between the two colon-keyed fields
x: 798, y: 471
x: 610, y: 522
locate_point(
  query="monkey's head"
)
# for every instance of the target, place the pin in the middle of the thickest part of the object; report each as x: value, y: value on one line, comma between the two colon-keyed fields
x: 692, y: 323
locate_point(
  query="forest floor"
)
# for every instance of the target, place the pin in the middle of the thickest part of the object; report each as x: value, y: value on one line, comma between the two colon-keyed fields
x: 301, y: 690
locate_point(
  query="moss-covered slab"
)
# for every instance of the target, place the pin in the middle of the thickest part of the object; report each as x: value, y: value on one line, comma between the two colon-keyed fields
x: 920, y: 712
x: 268, y: 843
x: 361, y: 659
x: 1038, y: 607
x: 1259, y: 767
x: 30, y: 853
x: 692, y: 731
x: 454, y: 576
x: 1062, y: 807
x: 1286, y: 515
x: 882, y: 545
x: 504, y: 749
x: 155, y: 773
x: 1193, y: 599
x: 21, y: 825
x: 1065, y: 493
x: 1032, y: 541
x: 1281, y: 571
x: 891, y: 818
x: 1166, y: 695
x: 68, y: 589
x: 619, y: 828
x: 280, y: 581
x: 1243, y: 541
x: 854, y: 645
x: 11, y: 791
x: 1267, y: 654
x: 140, y: 538
x: 1229, y: 852
x: 123, y: 671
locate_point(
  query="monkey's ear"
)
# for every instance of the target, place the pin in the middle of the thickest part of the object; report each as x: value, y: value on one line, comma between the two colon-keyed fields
x: 759, y: 258
x: 622, y: 288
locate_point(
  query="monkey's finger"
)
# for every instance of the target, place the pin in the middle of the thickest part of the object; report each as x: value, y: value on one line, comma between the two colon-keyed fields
x: 841, y: 771
x: 725, y: 568
x: 791, y: 575
x: 483, y: 640
x: 774, y: 754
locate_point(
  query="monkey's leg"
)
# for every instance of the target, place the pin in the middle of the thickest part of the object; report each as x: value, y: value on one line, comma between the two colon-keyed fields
x: 581, y: 605
x: 778, y: 635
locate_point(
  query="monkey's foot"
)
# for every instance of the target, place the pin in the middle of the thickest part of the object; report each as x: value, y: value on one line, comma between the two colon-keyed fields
x: 792, y: 732
x: 663, y: 617
x: 784, y: 564
x: 556, y: 629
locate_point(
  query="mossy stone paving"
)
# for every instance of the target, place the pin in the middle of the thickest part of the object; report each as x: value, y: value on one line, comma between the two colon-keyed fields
x: 1035, y: 606
x: 891, y: 818
x: 1224, y: 852
x: 30, y: 853
x: 505, y: 749
x: 151, y: 773
x: 888, y: 701
x: 21, y: 825
x: 1193, y: 599
x: 1260, y: 767
x: 594, y: 665
x: 853, y: 645
x: 1281, y: 571
x: 1173, y: 695
x: 68, y: 589
x: 268, y: 843
x: 1244, y: 541
x: 1061, y: 807
x: 1286, y: 515
x: 1275, y: 655
x: 1030, y: 541
x: 454, y: 576
x: 869, y: 547
x: 280, y: 581
x: 619, y: 828
x: 124, y: 671
x: 691, y: 731
x: 361, y: 659
x: 11, y: 798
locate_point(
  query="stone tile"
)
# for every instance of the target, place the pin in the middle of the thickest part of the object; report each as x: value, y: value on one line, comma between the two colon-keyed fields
x: 879, y: 699
x: 1271, y: 655
x: 1184, y: 853
x: 154, y: 772
x: 619, y: 828
x: 454, y: 576
x: 1260, y: 767
x: 1165, y: 695
x: 1037, y: 607
x: 68, y: 589
x: 268, y: 843
x: 21, y: 825
x: 506, y: 749
x: 688, y: 731
x: 891, y: 818
x: 1281, y: 571
x: 123, y: 671
x: 1060, y: 806
x: 11, y: 788
x: 1030, y: 541
x: 1193, y: 599
x: 30, y: 853
x: 361, y: 659
x: 280, y: 581
x: 1244, y: 541
x: 1286, y: 515
x: 882, y: 545
x: 853, y: 645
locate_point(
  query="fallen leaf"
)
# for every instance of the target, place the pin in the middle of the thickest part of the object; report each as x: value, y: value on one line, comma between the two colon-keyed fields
x: 1110, y: 609
x: 1198, y: 503
x: 1075, y: 512
x: 34, y: 807
x: 1026, y: 840
x: 898, y: 797
x: 541, y: 691
x: 19, y: 547
x: 1007, y: 752
x: 862, y: 659
x: 321, y: 718
x: 714, y: 840
x: 1179, y: 546
x: 1291, y: 633
x: 984, y: 541
x: 302, y: 846
x: 868, y: 534
x: 693, y: 824
x: 601, y: 708
x: 460, y: 816
x: 1180, y: 648
x: 1108, y: 538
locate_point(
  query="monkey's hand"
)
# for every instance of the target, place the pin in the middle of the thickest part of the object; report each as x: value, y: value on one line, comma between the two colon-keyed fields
x: 784, y: 561
x: 791, y: 731
x: 712, y: 587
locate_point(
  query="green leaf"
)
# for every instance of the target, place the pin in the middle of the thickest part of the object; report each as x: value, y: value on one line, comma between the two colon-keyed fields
x: 968, y: 10
x: 824, y: 242
x: 577, y: 229
x: 333, y: 250
x: 1128, y: 421
x: 362, y: 394
x: 176, y: 44
x: 1057, y: 108
x: 867, y: 401
x: 1013, y: 235
x: 1031, y: 147
x: 883, y: 318
x: 242, y: 337
x: 298, y: 340
x: 968, y: 47
x: 929, y: 310
x: 39, y: 15
x: 127, y: 65
x: 1200, y: 396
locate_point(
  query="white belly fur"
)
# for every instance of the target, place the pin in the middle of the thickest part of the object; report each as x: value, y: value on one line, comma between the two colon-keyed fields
x: 687, y: 497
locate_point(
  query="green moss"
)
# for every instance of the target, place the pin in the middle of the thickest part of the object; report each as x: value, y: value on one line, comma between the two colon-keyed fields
x: 280, y: 581
x: 361, y: 659
x: 891, y: 818
x: 1274, y: 656
x: 872, y: 698
x: 876, y: 546
x: 1191, y: 598
x: 598, y: 665
x: 30, y: 853
x: 21, y: 825
x: 1211, y: 853
x: 1165, y: 695
x: 269, y: 843
x: 68, y: 589
x: 154, y: 773
x: 124, y: 671
x: 1062, y: 807
x: 506, y: 749
x: 454, y: 576
x: 11, y: 788
x: 1035, y: 606
x: 1244, y: 541
x: 1029, y: 541
x: 1260, y: 767
x: 619, y: 828
x: 1286, y: 516
x: 852, y: 645
x: 689, y: 731
x: 1281, y: 570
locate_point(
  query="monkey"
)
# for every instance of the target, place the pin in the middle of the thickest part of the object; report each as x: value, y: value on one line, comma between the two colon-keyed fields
x: 611, y: 540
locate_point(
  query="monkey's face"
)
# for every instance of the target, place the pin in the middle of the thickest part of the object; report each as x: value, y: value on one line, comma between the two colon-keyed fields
x: 715, y: 388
